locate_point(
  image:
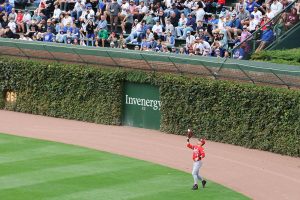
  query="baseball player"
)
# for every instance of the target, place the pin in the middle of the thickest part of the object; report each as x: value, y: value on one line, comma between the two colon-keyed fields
x: 198, y: 155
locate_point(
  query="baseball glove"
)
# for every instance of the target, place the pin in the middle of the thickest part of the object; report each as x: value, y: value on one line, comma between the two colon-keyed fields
x: 189, y: 134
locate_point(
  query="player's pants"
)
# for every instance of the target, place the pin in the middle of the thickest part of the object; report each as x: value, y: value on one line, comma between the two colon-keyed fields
x: 195, y: 172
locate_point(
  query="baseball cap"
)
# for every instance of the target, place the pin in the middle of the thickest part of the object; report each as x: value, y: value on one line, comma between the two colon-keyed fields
x: 188, y: 32
x: 202, y: 140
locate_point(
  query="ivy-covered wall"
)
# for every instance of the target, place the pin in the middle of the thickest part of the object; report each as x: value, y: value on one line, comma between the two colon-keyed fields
x: 247, y: 115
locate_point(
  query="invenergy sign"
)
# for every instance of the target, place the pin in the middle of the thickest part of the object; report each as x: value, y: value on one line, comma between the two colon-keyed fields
x: 154, y: 104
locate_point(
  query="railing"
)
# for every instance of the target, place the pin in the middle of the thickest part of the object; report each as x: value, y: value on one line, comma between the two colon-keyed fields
x: 250, y: 44
x: 211, y: 67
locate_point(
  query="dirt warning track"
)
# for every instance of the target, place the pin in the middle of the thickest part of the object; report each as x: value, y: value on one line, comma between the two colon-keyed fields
x: 257, y: 174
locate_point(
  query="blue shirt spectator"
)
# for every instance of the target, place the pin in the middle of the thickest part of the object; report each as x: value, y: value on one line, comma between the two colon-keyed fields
x: 267, y: 35
x: 8, y: 7
x: 191, y: 22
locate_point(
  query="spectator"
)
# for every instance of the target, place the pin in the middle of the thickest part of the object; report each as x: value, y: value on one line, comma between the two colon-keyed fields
x: 267, y: 38
x: 121, y: 41
x: 102, y: 36
x: 127, y: 21
x: 292, y: 19
x: 114, y: 10
x: 157, y: 29
x: 181, y: 25
x: 8, y: 8
x: 239, y: 52
x: 48, y: 36
x: 257, y: 15
x: 244, y: 16
x: 169, y: 27
x: 190, y: 26
x: 77, y: 10
x: 19, y: 21
x: 12, y: 26
x: 276, y: 7
x: 27, y: 19
x: 56, y: 12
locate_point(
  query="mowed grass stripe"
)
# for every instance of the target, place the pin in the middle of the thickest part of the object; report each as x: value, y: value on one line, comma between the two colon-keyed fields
x: 70, y: 172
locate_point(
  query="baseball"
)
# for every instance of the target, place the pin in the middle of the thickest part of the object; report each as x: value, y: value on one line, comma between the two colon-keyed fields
x: 189, y: 130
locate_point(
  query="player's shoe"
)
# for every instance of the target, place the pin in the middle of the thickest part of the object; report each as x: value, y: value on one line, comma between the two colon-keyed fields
x: 203, y: 183
x: 195, y: 187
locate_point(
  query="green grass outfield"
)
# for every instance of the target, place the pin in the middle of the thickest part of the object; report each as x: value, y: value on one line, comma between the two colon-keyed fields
x: 34, y: 169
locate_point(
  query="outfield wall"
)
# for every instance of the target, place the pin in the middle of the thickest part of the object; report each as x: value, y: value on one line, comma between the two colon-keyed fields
x: 252, y: 116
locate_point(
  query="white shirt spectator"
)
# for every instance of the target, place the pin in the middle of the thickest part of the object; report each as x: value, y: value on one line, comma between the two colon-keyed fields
x: 143, y: 9
x: 56, y: 13
x: 67, y: 20
x: 257, y: 15
x: 157, y: 29
x: 189, y: 40
x: 27, y: 18
x: 12, y: 25
x: 252, y: 24
x: 124, y: 8
x: 276, y: 7
x: 200, y: 14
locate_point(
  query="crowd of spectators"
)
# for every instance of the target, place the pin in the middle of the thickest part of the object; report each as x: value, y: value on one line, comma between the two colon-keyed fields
x: 203, y: 27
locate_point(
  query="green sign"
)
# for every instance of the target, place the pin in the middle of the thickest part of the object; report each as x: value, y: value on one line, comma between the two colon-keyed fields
x: 141, y: 106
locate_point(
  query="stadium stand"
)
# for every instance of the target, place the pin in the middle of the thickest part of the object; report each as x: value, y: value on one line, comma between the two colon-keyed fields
x: 191, y: 27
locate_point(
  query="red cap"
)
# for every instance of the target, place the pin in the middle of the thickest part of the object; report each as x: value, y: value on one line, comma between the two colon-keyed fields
x: 202, y: 140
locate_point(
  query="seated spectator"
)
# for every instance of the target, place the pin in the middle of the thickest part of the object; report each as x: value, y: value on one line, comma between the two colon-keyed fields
x: 189, y: 39
x: 292, y: 19
x: 244, y: 16
x: 8, y: 7
x: 13, y: 15
x: 181, y: 25
x: 234, y: 27
x: 266, y: 38
x: 149, y: 19
x: 56, y: 12
x: 252, y: 24
x: 48, y: 36
x: 77, y: 10
x: 276, y: 7
x: 257, y: 15
x: 121, y: 41
x: 12, y: 26
x: 19, y: 21
x: 113, y: 39
x: 135, y: 32
x: 102, y: 36
x: 157, y: 29
x: 190, y: 26
x: 251, y: 4
x: 142, y: 10
x: 26, y: 20
x: 239, y: 52
x: 169, y: 39
x: 59, y: 38
x: 8, y: 33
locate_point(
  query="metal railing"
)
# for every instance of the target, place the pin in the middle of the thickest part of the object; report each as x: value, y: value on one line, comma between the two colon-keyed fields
x: 211, y: 67
x: 250, y: 43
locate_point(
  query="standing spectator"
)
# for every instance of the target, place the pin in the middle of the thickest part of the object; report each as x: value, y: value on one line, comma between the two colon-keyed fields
x: 200, y: 13
x: 114, y: 10
x: 90, y: 33
x: 127, y: 21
